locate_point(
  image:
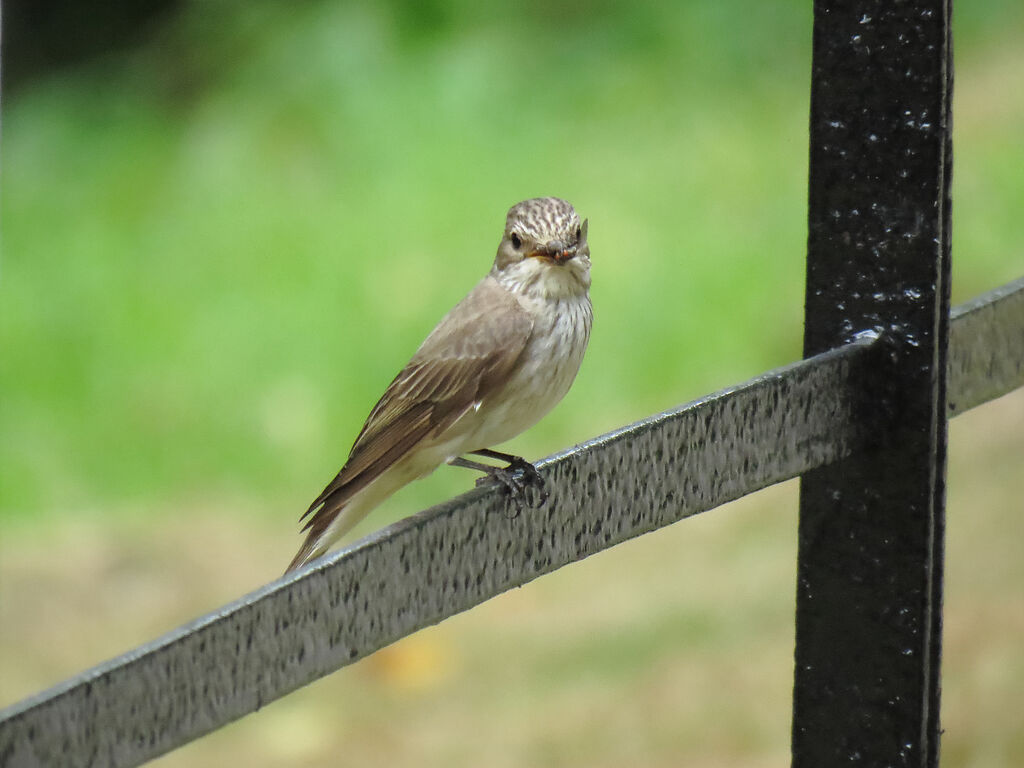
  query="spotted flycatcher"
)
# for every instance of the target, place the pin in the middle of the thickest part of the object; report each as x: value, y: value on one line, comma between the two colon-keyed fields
x: 494, y: 365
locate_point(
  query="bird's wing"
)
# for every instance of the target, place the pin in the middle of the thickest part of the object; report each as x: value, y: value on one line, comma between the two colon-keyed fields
x: 468, y: 355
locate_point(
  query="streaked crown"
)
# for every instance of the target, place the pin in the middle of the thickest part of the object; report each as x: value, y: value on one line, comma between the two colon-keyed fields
x: 542, y: 219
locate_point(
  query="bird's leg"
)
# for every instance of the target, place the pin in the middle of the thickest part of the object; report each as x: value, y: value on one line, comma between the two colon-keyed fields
x: 516, y: 477
x: 518, y: 464
x: 505, y: 475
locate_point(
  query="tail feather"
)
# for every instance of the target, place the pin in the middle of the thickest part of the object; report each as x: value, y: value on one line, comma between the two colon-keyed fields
x: 341, y: 489
x: 308, y: 551
x: 323, y: 513
x: 342, y: 506
x: 362, y: 477
x: 326, y: 525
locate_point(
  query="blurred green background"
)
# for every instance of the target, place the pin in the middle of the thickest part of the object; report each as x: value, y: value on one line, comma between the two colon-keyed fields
x: 223, y: 238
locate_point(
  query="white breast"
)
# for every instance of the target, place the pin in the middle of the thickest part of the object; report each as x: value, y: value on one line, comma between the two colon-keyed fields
x: 545, y: 371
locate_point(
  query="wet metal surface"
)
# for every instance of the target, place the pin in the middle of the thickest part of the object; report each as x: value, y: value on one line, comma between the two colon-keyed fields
x: 986, y: 347
x: 869, y: 571
x: 454, y: 556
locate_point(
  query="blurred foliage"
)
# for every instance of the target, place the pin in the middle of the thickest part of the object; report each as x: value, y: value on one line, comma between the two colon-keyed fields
x: 221, y: 241
x: 43, y: 36
x: 221, y: 245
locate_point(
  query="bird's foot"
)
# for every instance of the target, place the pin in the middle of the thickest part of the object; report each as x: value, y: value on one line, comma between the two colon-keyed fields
x: 519, y: 477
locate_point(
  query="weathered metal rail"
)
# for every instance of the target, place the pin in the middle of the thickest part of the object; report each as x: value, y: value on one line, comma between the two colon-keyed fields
x: 458, y: 554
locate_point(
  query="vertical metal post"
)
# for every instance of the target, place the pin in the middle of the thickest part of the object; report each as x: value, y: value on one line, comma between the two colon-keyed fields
x: 869, y: 592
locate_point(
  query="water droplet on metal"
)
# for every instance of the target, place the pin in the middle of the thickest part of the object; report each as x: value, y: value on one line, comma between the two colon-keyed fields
x: 868, y: 334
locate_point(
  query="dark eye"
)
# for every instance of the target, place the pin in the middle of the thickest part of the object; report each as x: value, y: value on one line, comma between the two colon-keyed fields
x: 579, y: 232
x: 516, y: 242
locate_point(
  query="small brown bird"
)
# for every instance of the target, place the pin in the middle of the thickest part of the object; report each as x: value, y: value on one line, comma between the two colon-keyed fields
x: 494, y: 365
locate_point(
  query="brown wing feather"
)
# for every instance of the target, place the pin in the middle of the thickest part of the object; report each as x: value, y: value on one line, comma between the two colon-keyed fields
x: 470, y: 351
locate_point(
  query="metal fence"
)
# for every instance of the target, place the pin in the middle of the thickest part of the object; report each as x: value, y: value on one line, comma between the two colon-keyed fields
x: 862, y: 420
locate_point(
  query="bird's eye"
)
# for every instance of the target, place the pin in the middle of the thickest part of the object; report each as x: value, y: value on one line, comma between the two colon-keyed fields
x: 579, y: 232
x: 516, y: 242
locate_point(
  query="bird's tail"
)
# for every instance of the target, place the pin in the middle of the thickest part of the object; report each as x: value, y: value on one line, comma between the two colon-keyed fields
x: 308, y: 551
x: 332, y: 521
x: 339, y: 509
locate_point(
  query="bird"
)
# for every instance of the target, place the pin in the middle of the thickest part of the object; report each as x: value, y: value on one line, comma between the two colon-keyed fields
x: 496, y: 363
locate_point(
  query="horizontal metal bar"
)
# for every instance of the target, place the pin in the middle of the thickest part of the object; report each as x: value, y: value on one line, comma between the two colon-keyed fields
x: 438, y: 563
x: 986, y: 347
x: 447, y: 559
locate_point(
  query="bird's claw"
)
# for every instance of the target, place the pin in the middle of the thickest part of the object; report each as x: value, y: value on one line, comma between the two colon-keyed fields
x: 517, y: 477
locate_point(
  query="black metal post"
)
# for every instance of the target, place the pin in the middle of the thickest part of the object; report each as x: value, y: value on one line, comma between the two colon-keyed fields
x: 869, y: 592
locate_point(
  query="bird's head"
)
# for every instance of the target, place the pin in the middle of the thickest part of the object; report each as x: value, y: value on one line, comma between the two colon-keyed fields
x: 544, y: 247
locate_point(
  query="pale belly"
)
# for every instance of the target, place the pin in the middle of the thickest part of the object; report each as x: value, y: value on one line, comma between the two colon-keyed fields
x: 543, y: 376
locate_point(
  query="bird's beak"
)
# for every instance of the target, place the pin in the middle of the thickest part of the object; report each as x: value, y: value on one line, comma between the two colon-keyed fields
x: 555, y: 250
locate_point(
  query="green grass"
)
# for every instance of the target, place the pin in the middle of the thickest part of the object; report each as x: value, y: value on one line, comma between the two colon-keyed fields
x: 208, y: 282
x: 219, y: 249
